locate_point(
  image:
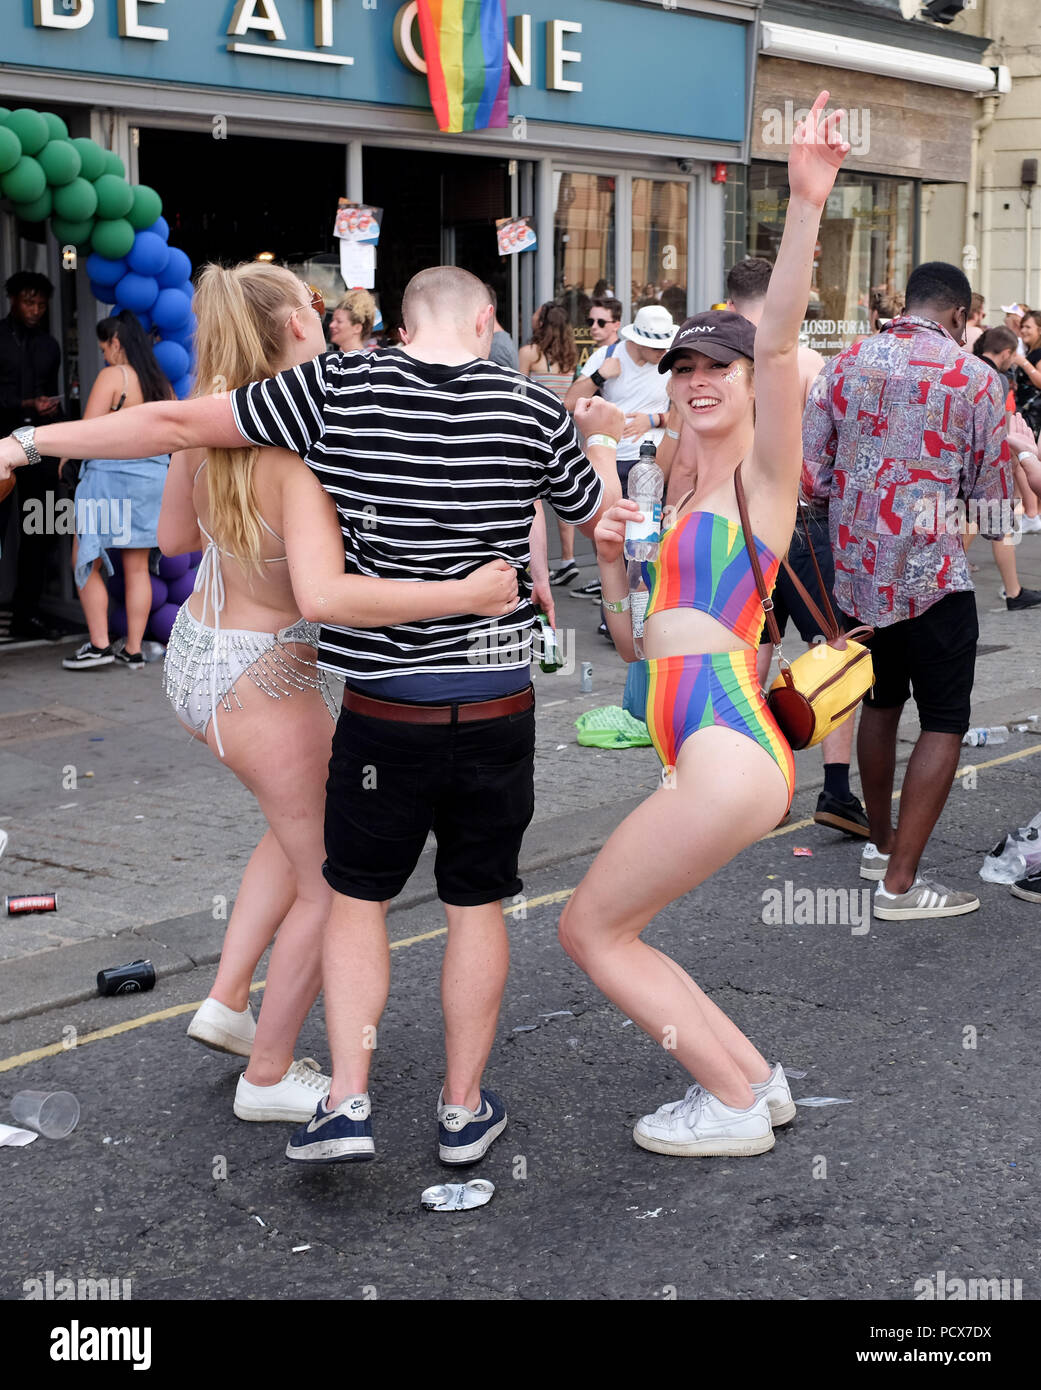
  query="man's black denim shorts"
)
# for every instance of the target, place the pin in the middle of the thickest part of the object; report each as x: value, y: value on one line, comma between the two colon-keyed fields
x: 391, y: 783
x: 932, y: 656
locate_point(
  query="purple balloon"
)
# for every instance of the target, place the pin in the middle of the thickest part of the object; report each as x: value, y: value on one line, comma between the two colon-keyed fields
x: 172, y: 309
x: 117, y: 620
x: 161, y: 621
x: 172, y: 566
x: 177, y: 269
x: 105, y: 272
x: 149, y: 254
x: 136, y: 292
x: 179, y: 589
x: 158, y: 593
x: 173, y: 359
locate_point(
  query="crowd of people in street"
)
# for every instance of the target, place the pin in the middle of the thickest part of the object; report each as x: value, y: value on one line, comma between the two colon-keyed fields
x: 768, y: 452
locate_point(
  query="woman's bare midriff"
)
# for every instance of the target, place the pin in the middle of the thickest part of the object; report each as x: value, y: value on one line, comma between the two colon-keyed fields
x: 687, y: 632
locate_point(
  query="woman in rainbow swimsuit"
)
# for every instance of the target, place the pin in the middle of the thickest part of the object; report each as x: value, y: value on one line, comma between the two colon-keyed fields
x: 731, y: 773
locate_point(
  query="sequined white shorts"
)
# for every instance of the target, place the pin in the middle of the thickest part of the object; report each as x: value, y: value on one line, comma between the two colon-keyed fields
x: 202, y: 666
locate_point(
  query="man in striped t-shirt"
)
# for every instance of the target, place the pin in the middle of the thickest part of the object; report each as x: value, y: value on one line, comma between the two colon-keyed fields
x: 436, y: 459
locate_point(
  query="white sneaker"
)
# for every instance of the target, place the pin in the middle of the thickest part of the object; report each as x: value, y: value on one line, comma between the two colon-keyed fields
x: 1029, y: 524
x: 873, y: 863
x: 778, y: 1096
x: 294, y: 1098
x: 702, y: 1126
x: 215, y: 1025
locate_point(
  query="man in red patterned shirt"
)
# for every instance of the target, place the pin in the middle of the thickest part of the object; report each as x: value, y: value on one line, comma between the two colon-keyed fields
x: 904, y: 435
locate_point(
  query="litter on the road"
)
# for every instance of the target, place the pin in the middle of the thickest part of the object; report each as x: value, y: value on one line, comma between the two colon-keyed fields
x: 12, y: 1138
x: 821, y: 1100
x: 139, y: 975
x: 526, y: 1028
x: 259, y: 1222
x: 795, y: 1075
x: 31, y: 902
x: 458, y: 1196
x: 3, y: 841
x: 54, y: 1114
x: 801, y: 852
x: 298, y: 1248
x: 560, y: 1013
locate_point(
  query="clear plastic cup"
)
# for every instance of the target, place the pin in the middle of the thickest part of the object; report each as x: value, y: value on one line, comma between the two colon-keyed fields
x: 54, y: 1114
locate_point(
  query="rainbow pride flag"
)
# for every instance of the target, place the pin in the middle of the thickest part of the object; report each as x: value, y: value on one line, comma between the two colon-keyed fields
x: 464, y: 44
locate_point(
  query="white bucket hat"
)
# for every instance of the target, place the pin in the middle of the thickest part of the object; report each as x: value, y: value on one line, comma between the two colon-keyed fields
x: 653, y: 327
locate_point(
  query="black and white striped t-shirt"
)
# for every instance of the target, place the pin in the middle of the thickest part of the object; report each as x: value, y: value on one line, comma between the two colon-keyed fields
x: 435, y: 471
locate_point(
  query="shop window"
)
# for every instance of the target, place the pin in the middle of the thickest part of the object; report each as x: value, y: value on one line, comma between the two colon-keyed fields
x: 583, y: 241
x: 659, y: 245
x: 863, y: 257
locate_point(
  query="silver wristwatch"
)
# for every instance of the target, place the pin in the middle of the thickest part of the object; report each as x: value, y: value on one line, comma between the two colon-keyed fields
x: 26, y: 438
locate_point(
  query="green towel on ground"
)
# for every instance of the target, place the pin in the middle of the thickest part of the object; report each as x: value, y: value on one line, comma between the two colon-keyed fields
x: 611, y: 727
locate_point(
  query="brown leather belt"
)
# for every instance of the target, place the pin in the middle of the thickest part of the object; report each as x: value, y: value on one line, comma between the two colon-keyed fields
x: 439, y: 714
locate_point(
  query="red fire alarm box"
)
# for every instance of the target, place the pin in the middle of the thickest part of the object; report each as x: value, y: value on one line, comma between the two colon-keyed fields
x: 719, y: 173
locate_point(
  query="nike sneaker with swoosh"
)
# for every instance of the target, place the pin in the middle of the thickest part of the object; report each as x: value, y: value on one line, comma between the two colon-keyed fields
x: 465, y: 1136
x: 340, y: 1135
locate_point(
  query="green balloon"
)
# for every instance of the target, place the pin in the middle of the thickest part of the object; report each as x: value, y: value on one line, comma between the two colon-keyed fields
x: 92, y: 155
x: 114, y: 196
x: 72, y: 233
x: 114, y: 165
x: 10, y: 149
x: 5, y: 111
x: 56, y: 127
x: 25, y: 182
x: 76, y: 201
x: 147, y: 206
x: 60, y: 162
x: 38, y: 210
x: 112, y: 237
x: 30, y: 127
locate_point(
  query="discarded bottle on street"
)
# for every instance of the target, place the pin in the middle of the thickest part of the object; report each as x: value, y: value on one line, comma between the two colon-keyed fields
x: 458, y: 1196
x: 646, y: 486
x: 550, y: 659
x: 638, y: 599
x: 976, y: 738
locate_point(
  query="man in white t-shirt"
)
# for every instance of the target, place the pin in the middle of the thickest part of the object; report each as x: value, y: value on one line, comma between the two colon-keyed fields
x: 629, y: 378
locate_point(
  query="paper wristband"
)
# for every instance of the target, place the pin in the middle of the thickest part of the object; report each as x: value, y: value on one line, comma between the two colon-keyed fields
x: 604, y: 440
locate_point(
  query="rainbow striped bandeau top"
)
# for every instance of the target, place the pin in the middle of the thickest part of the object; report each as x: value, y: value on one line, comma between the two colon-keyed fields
x: 703, y: 563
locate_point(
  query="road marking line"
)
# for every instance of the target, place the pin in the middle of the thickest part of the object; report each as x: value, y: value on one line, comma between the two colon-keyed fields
x: 22, y: 1059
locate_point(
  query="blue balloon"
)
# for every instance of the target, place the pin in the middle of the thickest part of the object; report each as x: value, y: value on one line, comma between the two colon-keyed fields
x: 104, y: 294
x: 183, y: 388
x: 182, y: 335
x: 149, y: 254
x: 136, y: 292
x: 105, y: 272
x: 177, y: 269
x: 173, y: 359
x: 161, y: 228
x: 145, y: 321
x: 171, y: 310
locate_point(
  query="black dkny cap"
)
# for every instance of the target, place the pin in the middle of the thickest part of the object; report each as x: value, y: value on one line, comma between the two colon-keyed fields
x: 718, y: 333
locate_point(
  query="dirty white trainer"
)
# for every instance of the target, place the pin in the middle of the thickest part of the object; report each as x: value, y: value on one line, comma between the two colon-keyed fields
x: 294, y: 1098
x: 702, y: 1126
x: 778, y: 1095
x: 924, y: 898
x: 225, y: 1030
x: 873, y: 863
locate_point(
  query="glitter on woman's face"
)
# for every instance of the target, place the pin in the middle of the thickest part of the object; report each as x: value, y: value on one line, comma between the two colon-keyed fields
x: 733, y: 374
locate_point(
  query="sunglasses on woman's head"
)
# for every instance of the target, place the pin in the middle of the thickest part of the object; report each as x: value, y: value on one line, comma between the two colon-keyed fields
x: 317, y: 303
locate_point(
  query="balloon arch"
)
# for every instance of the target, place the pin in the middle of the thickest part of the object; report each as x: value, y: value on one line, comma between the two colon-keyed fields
x: 82, y: 190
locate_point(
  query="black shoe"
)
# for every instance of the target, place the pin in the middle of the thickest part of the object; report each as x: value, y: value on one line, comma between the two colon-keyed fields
x: 846, y: 815
x: 1026, y: 598
x: 135, y: 660
x: 34, y: 629
x: 1029, y: 888
x: 88, y: 656
x: 591, y: 591
x: 565, y: 574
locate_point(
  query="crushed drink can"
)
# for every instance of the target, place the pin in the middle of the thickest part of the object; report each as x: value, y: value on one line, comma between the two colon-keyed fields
x: 458, y: 1196
x: 139, y: 975
x: 585, y: 683
x: 31, y: 902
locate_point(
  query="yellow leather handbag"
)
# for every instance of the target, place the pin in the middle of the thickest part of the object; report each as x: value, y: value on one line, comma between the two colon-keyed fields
x: 819, y: 690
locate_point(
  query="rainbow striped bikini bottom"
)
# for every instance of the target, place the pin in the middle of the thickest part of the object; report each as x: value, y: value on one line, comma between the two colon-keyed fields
x: 688, y: 693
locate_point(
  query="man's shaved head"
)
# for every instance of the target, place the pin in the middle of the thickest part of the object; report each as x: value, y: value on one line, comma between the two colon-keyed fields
x: 446, y: 295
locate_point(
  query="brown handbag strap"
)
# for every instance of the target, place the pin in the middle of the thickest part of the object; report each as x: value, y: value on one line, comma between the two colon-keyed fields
x: 830, y: 625
x: 757, y: 569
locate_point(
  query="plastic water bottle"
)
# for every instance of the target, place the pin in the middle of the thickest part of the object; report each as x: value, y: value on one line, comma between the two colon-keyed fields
x: 638, y: 600
x: 646, y: 486
x: 976, y: 738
